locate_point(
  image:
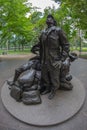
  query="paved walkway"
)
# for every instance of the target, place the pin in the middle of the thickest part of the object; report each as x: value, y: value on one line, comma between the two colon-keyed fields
x: 8, y: 122
x: 15, y: 56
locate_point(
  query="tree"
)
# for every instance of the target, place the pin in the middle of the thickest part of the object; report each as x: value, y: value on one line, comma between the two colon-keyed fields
x: 74, y: 17
x: 13, y: 20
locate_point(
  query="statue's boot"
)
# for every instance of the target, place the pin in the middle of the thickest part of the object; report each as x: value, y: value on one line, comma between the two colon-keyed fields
x: 10, y: 83
x: 66, y: 86
x: 45, y: 90
x: 69, y: 77
x: 52, y: 94
x: 42, y: 89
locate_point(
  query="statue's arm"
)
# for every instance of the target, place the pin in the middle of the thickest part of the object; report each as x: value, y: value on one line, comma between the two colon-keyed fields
x: 36, y: 48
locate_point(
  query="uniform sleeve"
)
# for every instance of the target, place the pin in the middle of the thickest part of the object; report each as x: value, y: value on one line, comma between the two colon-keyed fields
x: 64, y: 45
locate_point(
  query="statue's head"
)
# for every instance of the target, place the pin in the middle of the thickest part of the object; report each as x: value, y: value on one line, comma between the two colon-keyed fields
x: 50, y: 20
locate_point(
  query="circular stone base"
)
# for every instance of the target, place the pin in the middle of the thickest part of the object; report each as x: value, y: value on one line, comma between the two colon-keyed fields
x: 63, y: 106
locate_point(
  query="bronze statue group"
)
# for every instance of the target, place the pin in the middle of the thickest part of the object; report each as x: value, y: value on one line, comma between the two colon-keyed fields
x: 48, y: 71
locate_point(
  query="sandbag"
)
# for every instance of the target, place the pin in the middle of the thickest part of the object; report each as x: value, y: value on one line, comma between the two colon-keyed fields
x: 31, y: 97
x: 33, y: 87
x: 27, y: 77
x: 16, y: 93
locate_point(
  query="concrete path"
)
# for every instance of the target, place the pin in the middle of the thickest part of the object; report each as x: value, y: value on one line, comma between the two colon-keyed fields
x: 8, y: 122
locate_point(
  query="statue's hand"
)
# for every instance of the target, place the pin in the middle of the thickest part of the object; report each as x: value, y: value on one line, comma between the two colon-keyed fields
x: 57, y: 64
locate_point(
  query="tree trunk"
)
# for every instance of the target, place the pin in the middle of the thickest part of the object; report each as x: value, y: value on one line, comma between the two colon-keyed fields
x: 19, y: 47
x: 7, y: 46
x: 22, y: 47
x: 80, y: 41
x: 14, y: 47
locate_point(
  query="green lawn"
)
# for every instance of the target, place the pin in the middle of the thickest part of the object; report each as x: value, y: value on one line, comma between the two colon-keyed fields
x: 84, y: 56
x: 84, y: 49
x: 27, y: 51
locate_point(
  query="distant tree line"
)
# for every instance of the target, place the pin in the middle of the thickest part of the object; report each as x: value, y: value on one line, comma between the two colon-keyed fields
x: 21, y: 23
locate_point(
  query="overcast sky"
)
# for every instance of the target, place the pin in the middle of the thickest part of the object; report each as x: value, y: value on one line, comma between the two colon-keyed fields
x: 43, y: 3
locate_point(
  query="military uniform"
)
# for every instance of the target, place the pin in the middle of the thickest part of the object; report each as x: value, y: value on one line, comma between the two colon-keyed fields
x: 54, y: 47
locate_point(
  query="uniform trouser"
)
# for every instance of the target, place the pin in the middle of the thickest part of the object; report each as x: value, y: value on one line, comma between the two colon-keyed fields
x: 23, y: 68
x: 50, y: 77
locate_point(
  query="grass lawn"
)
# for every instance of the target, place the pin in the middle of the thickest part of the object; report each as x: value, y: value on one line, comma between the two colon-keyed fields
x: 83, y: 56
x: 84, y: 49
x: 27, y: 51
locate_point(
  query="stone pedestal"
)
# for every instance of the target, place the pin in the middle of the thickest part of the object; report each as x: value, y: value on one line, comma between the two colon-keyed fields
x: 62, y: 107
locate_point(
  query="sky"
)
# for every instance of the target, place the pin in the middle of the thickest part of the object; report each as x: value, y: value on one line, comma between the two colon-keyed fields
x: 42, y: 4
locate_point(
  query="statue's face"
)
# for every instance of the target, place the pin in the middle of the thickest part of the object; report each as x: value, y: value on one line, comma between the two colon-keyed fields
x: 49, y: 21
